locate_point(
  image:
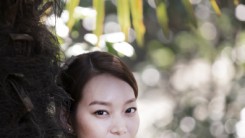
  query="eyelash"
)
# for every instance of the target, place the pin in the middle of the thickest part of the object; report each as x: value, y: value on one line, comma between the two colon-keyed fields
x: 104, y: 112
x: 98, y: 112
x: 129, y: 110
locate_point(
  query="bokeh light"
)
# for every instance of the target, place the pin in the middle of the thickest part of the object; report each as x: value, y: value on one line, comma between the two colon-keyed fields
x: 187, y: 124
x: 240, y: 126
x: 152, y: 3
x: 191, y: 83
x: 217, y: 129
x: 151, y: 76
x: 208, y: 31
x: 193, y: 75
x: 195, y: 1
x: 124, y: 48
x: 202, y: 12
x: 240, y: 9
x: 76, y: 49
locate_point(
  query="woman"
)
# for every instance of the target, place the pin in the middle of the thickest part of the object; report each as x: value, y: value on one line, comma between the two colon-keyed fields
x: 104, y: 94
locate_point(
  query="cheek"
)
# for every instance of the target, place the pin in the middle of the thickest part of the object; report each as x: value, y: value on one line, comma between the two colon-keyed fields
x: 133, y: 125
x: 89, y: 126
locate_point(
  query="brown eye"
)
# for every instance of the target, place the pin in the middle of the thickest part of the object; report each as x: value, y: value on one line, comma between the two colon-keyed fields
x: 101, y: 112
x: 131, y: 110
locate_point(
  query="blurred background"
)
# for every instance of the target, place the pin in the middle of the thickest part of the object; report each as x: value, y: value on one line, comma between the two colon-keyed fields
x: 188, y: 57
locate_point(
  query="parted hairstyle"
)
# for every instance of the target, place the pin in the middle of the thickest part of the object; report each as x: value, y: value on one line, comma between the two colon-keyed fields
x: 80, y: 69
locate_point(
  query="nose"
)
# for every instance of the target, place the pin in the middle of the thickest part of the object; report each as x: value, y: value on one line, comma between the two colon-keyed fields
x: 119, y: 131
x: 119, y: 126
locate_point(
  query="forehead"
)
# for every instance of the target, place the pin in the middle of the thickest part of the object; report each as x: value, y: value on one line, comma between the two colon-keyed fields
x: 107, y: 87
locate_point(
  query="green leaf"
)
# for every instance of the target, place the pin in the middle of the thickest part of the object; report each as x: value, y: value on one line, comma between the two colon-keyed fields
x: 137, y: 17
x: 162, y: 16
x: 215, y: 7
x: 190, y: 11
x: 99, y: 6
x: 110, y: 48
x: 124, y: 16
x: 70, y: 6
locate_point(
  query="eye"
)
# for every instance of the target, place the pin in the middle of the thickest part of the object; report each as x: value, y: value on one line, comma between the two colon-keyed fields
x: 131, y: 110
x: 101, y: 112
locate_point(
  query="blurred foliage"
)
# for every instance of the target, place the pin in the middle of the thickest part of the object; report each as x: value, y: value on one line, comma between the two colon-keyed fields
x: 70, y: 6
x: 135, y: 8
x: 99, y: 6
x: 191, y: 57
x: 162, y: 16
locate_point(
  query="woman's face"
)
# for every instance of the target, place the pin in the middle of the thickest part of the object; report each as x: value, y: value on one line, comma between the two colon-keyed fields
x: 107, y: 110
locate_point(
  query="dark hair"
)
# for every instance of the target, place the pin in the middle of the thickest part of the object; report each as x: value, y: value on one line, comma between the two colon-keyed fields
x: 29, y: 64
x: 85, y: 66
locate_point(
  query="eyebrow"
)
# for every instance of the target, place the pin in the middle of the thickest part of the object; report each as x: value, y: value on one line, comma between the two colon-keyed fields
x: 109, y: 104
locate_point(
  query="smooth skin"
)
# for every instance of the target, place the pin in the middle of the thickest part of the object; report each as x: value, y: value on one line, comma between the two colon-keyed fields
x: 107, y: 110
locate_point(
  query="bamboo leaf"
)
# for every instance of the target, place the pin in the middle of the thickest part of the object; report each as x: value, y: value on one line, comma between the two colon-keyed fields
x: 137, y: 16
x: 215, y: 7
x: 99, y: 6
x: 70, y: 6
x: 124, y: 16
x: 190, y: 11
x: 161, y: 11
